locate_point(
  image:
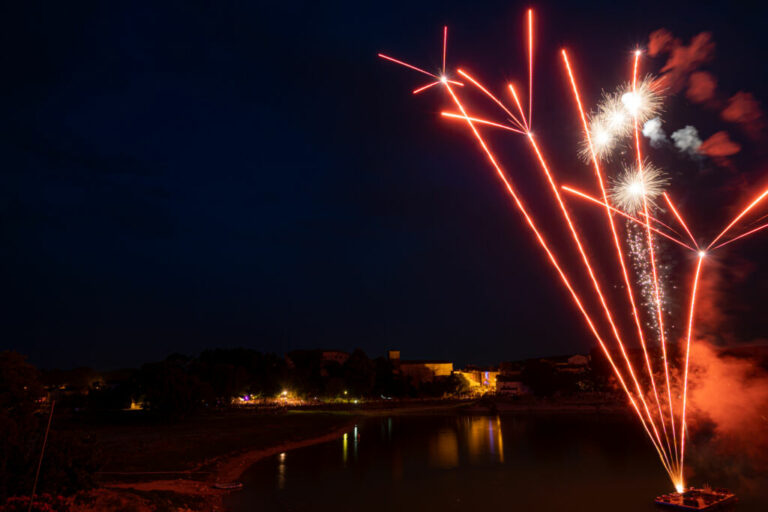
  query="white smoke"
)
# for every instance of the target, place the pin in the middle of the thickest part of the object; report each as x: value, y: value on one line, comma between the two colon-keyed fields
x: 652, y: 130
x: 687, y: 140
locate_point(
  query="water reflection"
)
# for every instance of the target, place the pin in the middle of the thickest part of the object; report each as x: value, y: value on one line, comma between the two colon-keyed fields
x: 281, y: 471
x: 444, y: 449
x: 355, y: 439
x: 484, y: 438
x: 344, y: 448
x: 452, y: 462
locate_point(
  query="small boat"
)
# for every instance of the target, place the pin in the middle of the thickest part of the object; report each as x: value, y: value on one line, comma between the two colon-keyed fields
x: 228, y: 486
x: 696, y: 499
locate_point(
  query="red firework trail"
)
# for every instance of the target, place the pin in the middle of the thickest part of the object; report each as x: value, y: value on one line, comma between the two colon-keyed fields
x: 739, y: 216
x: 481, y: 121
x: 626, y: 215
x: 663, y: 224
x: 671, y: 456
x: 759, y: 228
x: 652, y: 258
x: 679, y: 219
x: 687, y: 358
x: 553, y: 260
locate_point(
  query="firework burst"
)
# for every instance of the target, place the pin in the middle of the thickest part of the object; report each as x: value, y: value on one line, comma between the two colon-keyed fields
x: 633, y: 186
x: 611, y: 124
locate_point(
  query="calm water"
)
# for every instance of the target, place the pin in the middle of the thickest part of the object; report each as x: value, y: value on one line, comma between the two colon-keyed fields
x: 521, y: 463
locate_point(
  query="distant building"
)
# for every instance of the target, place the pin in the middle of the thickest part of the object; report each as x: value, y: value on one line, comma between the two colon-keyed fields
x: 510, y: 386
x: 420, y: 370
x: 481, y: 380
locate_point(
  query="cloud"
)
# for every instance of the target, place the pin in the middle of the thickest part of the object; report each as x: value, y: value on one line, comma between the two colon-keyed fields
x: 743, y: 109
x: 719, y: 145
x: 652, y: 129
x: 683, y: 59
x: 701, y: 87
x: 687, y: 140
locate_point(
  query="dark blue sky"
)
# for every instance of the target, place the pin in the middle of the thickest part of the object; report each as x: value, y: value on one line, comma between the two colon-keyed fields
x: 184, y: 175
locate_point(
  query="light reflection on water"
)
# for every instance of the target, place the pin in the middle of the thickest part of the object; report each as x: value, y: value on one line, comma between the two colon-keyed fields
x: 452, y: 462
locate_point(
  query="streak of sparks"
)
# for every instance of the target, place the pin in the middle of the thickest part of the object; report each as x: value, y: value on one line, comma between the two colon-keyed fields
x: 493, y: 98
x: 687, y: 359
x: 679, y: 218
x: 739, y: 216
x: 391, y: 59
x: 557, y: 266
x: 587, y: 265
x: 530, y: 67
x: 660, y: 223
x: 619, y: 253
x: 480, y: 121
x: 445, y: 46
x: 652, y: 255
x: 751, y: 231
x: 424, y: 88
x: 626, y: 215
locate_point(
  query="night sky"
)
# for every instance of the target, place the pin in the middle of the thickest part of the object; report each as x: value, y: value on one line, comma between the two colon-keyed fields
x: 185, y: 175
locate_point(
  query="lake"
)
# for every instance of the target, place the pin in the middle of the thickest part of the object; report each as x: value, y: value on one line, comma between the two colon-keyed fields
x: 588, y: 462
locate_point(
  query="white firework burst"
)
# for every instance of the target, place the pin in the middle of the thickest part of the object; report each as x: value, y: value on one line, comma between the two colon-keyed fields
x: 633, y: 187
x: 604, y: 140
x: 613, y: 121
x: 644, y: 102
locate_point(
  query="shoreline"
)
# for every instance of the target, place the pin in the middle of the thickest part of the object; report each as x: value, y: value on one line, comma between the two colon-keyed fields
x: 187, y: 494
x: 228, y: 468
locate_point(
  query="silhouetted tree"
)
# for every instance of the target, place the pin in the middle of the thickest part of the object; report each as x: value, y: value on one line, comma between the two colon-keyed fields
x: 540, y: 377
x: 68, y: 465
x: 171, y: 388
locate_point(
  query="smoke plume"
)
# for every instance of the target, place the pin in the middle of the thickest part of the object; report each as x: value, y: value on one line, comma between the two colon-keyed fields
x: 728, y: 400
x: 652, y: 130
x: 687, y: 140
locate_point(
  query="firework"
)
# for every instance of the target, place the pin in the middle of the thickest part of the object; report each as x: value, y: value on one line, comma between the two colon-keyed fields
x: 611, y: 124
x: 631, y: 196
x: 633, y: 186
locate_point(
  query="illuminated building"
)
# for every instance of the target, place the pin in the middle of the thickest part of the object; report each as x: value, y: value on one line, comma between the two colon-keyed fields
x: 480, y: 380
x: 420, y: 370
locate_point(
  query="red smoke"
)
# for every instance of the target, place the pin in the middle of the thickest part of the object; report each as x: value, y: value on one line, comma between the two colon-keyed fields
x: 680, y: 71
x: 701, y: 87
x: 732, y: 394
x: 660, y: 41
x: 744, y: 109
x: 683, y: 59
x: 727, y: 396
x: 719, y: 145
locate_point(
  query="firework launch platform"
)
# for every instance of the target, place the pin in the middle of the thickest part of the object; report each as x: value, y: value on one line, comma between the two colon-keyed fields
x: 696, y: 499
